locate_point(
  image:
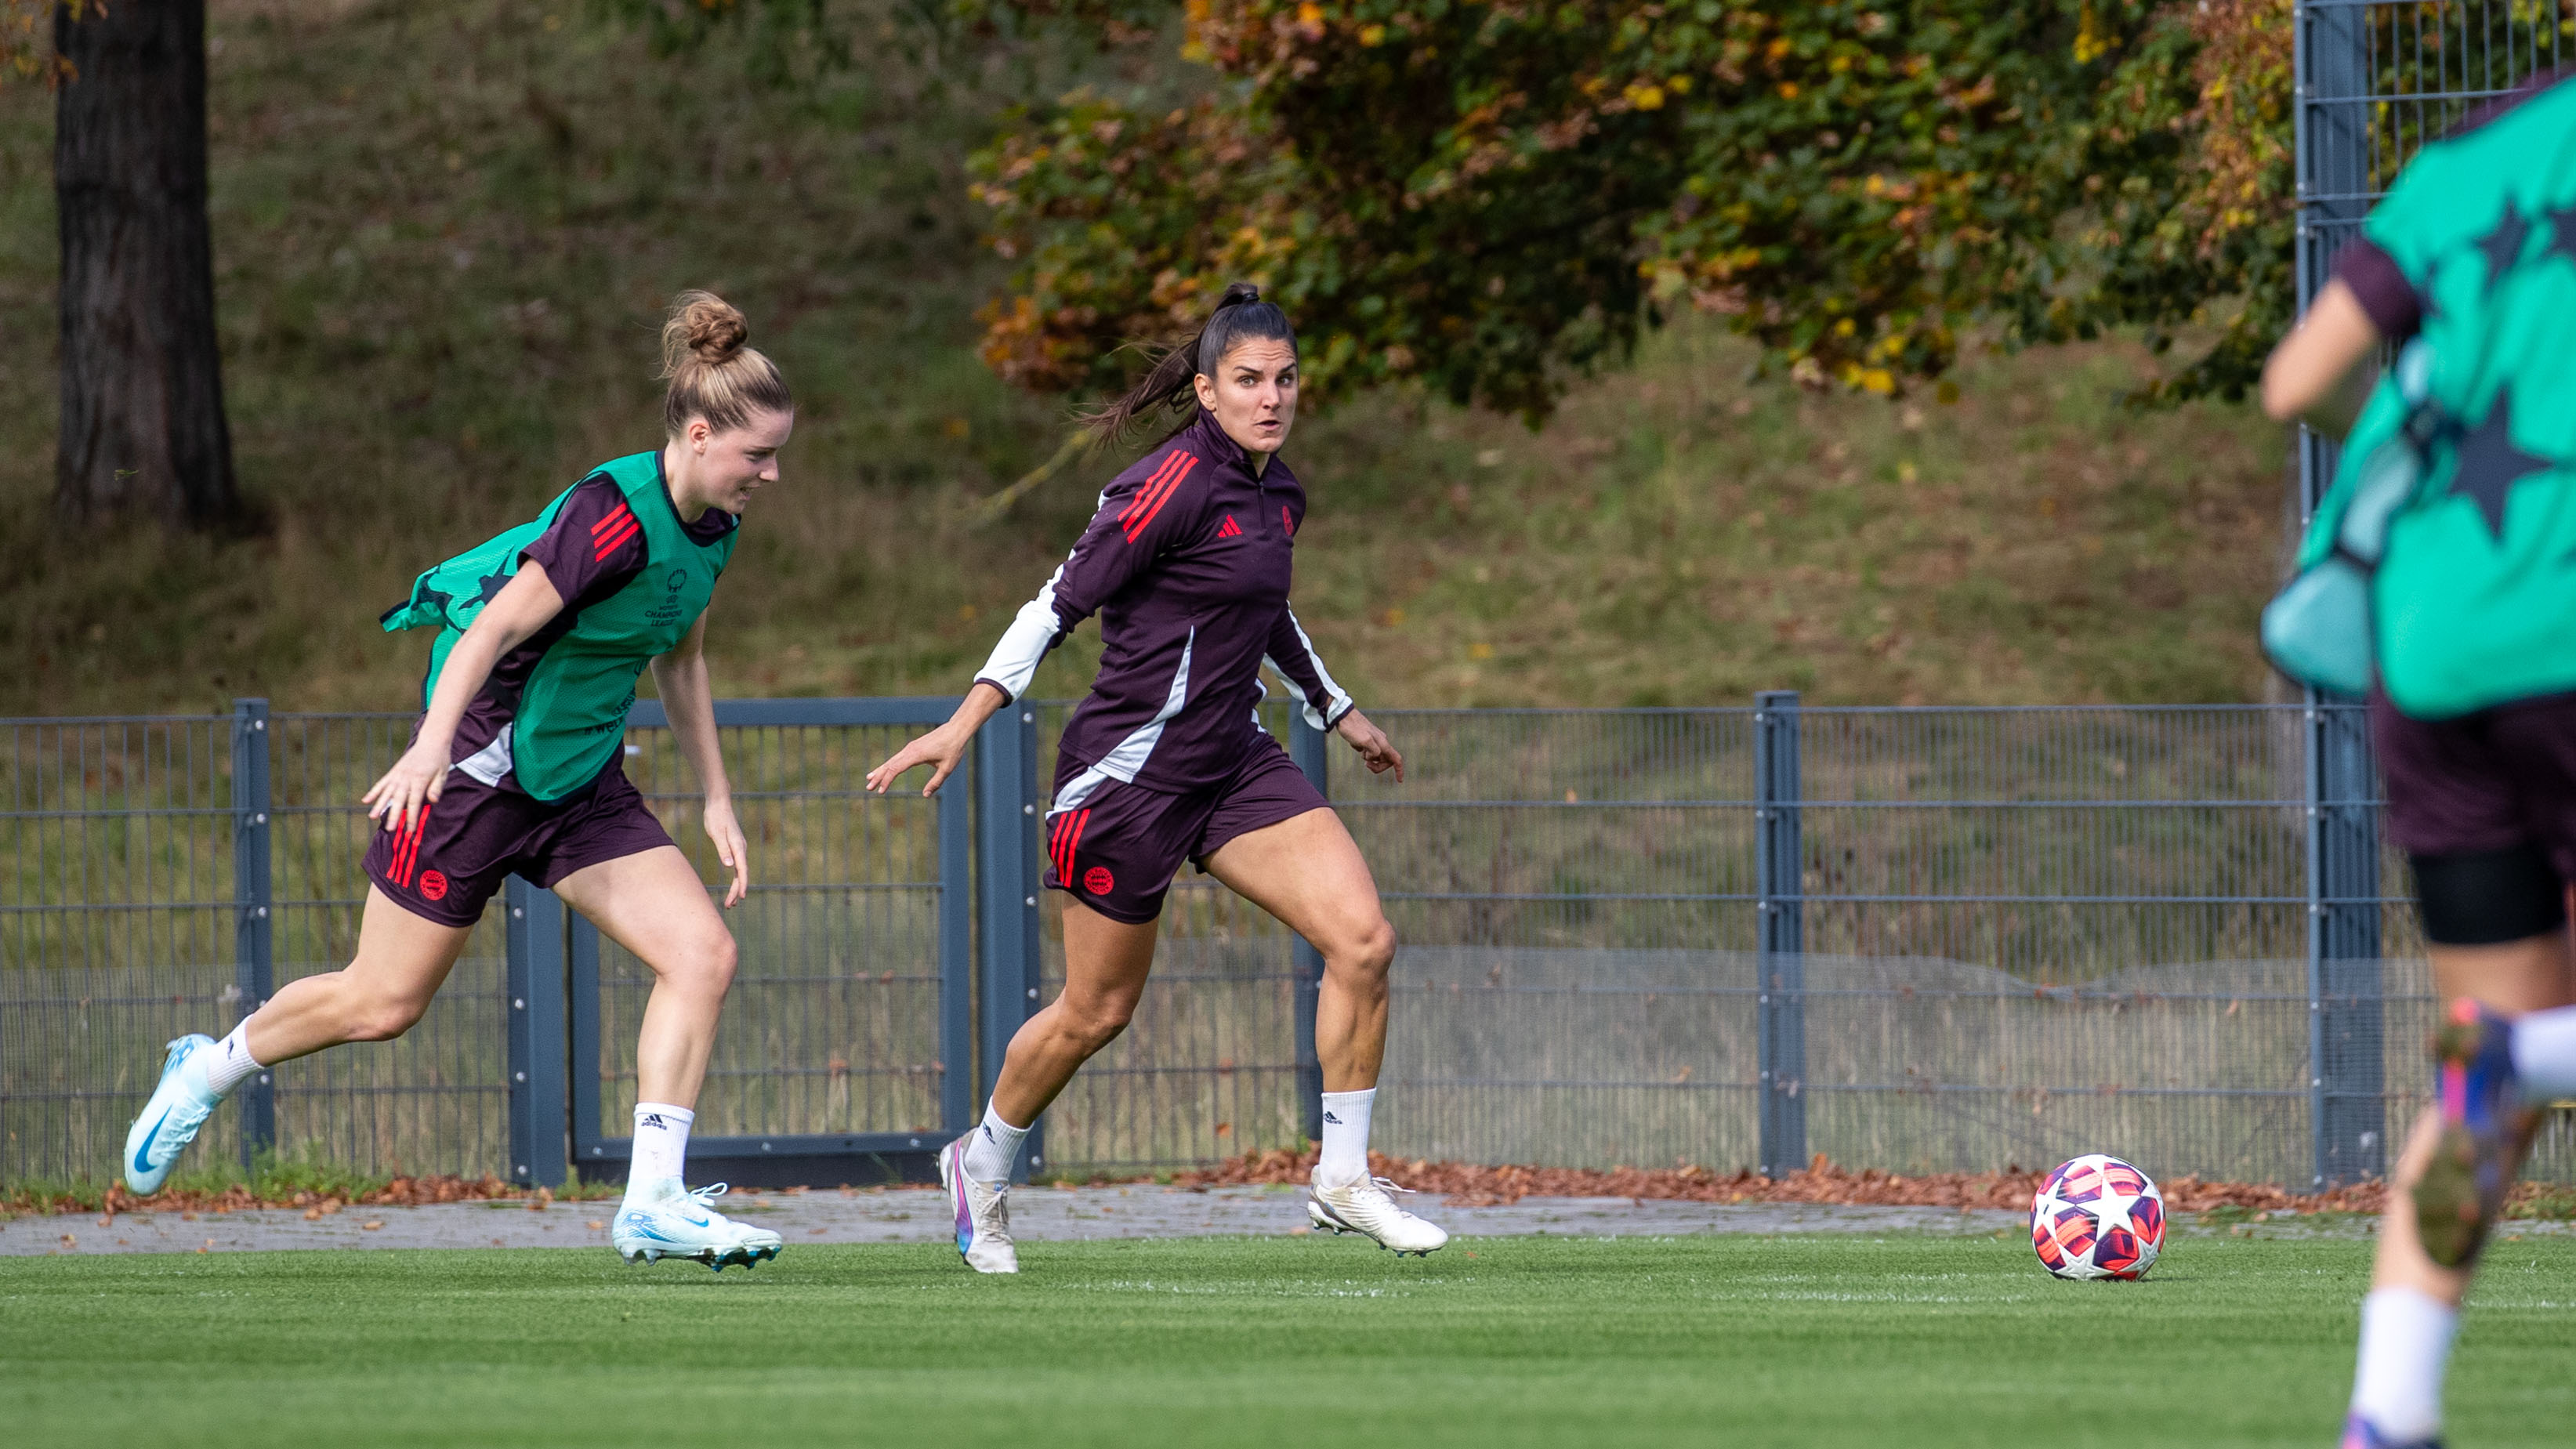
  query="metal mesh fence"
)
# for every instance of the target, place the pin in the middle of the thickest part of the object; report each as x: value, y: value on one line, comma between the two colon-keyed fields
x: 832, y: 1024
x: 2025, y: 933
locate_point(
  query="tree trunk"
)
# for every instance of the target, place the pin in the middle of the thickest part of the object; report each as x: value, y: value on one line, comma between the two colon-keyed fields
x: 142, y: 382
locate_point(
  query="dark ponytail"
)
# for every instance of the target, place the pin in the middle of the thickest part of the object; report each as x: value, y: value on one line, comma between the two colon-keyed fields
x: 1240, y: 316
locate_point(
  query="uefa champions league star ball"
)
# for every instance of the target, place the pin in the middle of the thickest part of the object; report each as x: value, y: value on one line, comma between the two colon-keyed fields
x: 2097, y: 1217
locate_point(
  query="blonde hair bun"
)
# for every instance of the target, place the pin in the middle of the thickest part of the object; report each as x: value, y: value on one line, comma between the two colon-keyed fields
x: 703, y: 326
x: 713, y: 371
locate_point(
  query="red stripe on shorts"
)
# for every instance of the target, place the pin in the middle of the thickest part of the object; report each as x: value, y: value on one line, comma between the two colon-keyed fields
x: 407, y: 848
x: 1074, y: 844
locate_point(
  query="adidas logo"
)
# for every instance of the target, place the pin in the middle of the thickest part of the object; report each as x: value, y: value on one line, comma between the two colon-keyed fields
x: 653, y: 1119
x: 1329, y: 1117
x: 1228, y: 528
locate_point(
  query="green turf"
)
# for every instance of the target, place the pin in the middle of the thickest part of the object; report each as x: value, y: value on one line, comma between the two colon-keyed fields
x: 1731, y: 1340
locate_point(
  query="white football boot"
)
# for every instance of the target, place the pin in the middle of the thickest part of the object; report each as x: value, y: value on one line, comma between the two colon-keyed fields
x: 671, y: 1221
x: 983, y: 1214
x: 178, y: 1107
x: 1363, y: 1206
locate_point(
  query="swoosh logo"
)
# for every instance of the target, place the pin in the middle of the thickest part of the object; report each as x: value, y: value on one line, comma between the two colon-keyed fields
x: 143, y: 1154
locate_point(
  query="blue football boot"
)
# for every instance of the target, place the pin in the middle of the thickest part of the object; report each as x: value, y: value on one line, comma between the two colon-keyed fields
x: 666, y: 1220
x: 178, y: 1107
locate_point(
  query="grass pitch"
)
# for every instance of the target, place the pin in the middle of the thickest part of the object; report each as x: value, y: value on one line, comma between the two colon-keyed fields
x: 1501, y: 1341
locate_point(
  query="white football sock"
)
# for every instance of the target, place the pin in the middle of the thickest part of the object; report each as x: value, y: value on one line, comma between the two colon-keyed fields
x: 992, y: 1148
x: 1346, y: 1129
x: 2405, y: 1346
x: 230, y: 1064
x: 2544, y: 1054
x: 661, y: 1144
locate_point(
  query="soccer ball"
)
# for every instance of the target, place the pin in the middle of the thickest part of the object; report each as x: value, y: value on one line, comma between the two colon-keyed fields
x: 2097, y: 1217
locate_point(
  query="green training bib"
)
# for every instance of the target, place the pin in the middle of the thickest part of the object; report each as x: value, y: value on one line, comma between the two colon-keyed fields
x: 571, y: 717
x: 2474, y: 600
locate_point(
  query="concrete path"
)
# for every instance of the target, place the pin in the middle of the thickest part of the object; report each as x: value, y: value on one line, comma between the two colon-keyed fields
x: 1037, y: 1215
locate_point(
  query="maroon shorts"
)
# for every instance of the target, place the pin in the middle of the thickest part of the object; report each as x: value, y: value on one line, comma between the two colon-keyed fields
x: 1115, y: 847
x: 2485, y: 808
x: 2488, y: 781
x: 454, y: 856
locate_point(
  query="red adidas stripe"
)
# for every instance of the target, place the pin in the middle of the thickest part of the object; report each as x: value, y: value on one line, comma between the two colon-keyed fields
x: 611, y: 543
x: 1137, y: 529
x: 616, y: 515
x: 407, y: 848
x: 1055, y: 843
x: 1075, y: 844
x: 1163, y: 474
x: 1286, y: 522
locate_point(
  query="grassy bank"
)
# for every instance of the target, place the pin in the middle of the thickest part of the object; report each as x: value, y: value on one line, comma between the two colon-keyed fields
x: 443, y: 232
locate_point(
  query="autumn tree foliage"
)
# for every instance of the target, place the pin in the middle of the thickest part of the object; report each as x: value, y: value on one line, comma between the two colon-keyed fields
x: 1492, y: 196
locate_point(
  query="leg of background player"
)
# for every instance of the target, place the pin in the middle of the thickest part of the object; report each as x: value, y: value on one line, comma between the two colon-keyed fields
x: 2413, y: 1307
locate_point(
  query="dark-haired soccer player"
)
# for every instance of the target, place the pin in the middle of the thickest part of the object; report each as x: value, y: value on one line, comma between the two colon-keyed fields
x: 1187, y: 564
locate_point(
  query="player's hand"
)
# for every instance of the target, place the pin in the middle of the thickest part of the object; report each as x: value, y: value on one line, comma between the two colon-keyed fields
x: 726, y: 832
x: 942, y: 749
x: 1374, y: 747
x: 408, y: 788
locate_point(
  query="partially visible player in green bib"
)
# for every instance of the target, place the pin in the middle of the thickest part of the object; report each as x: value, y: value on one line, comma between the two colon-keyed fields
x: 2470, y: 263
x: 516, y: 768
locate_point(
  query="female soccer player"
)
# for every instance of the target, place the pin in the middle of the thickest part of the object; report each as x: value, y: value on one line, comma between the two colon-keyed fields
x: 515, y: 767
x: 2474, y: 252
x: 1187, y: 564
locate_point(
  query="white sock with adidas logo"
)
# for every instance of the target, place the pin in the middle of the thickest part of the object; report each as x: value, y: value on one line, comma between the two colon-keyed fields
x: 1346, y: 1129
x: 993, y: 1148
x: 661, y: 1145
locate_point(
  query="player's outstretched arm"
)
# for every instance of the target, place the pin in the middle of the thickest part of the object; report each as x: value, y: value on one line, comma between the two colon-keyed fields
x: 945, y: 747
x: 689, y: 702
x: 525, y: 604
x: 2321, y: 373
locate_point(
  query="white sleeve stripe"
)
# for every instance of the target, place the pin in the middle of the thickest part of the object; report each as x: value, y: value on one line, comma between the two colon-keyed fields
x: 1338, y: 700
x: 1034, y: 631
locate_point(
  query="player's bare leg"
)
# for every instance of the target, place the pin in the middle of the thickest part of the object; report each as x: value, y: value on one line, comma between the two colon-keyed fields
x: 653, y: 904
x: 402, y: 960
x: 1308, y: 872
x: 2449, y: 1183
x: 1105, y: 965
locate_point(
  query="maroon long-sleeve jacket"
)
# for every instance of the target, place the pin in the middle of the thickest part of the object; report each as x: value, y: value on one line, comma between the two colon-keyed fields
x: 1187, y: 563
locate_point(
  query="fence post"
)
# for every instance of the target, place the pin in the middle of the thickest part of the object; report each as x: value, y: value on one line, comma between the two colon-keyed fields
x: 2347, y: 1025
x: 1306, y: 747
x: 1780, y: 990
x: 582, y: 970
x: 2346, y: 1022
x: 1006, y: 782
x: 538, y: 1109
x: 254, y: 897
